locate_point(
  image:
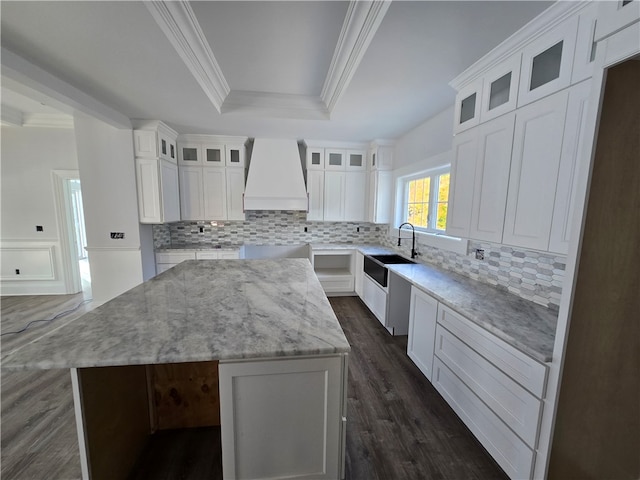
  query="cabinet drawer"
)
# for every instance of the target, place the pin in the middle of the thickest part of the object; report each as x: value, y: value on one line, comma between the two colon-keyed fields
x: 375, y: 298
x: 508, y: 400
x: 174, y: 257
x: 511, y: 453
x: 515, y: 364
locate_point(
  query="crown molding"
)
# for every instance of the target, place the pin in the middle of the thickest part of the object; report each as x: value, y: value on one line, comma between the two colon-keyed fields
x: 539, y: 26
x: 360, y: 25
x: 178, y: 22
x: 11, y: 117
x: 276, y: 105
x: 28, y: 76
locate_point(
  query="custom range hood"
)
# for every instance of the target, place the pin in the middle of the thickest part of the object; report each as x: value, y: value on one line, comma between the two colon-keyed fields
x: 275, y: 180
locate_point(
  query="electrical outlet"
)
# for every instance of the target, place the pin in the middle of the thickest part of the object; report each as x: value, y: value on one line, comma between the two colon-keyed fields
x: 479, y: 254
x: 117, y: 235
x: 305, y: 230
x: 17, y: 271
x: 201, y: 229
x: 39, y: 228
x: 358, y: 229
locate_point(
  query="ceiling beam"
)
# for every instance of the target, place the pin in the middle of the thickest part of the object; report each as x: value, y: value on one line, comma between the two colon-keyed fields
x: 11, y: 117
x: 178, y: 22
x: 31, y: 78
x: 360, y: 25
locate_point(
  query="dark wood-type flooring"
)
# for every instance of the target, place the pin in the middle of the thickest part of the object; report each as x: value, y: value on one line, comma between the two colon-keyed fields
x: 398, y: 425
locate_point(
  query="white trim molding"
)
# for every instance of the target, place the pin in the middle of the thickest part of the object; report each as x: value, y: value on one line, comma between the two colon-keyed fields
x: 178, y: 22
x: 360, y: 25
x: 278, y: 105
x: 47, y: 120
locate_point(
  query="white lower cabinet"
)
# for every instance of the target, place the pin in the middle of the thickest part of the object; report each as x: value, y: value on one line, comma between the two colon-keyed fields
x: 283, y: 418
x: 422, y: 330
x: 359, y: 273
x: 375, y: 297
x: 494, y: 388
x: 167, y: 260
x: 511, y: 453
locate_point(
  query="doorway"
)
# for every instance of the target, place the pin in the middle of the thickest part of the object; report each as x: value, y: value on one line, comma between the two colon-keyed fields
x: 79, y: 233
x: 72, y: 231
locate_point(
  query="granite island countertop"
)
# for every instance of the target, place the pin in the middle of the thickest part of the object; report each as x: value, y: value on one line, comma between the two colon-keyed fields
x: 525, y: 325
x: 198, y: 311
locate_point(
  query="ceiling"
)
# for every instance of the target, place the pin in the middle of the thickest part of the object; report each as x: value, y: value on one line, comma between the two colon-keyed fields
x: 260, y: 69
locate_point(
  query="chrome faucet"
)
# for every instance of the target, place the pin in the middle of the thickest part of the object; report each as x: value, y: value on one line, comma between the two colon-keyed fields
x: 413, y: 239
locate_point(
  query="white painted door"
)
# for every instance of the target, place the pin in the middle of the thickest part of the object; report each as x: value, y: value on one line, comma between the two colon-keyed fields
x: 463, y: 169
x: 537, y: 148
x: 235, y: 193
x: 283, y: 418
x: 355, y: 196
x: 191, y: 193
x: 215, y: 193
x: 334, y: 195
x: 380, y: 191
x: 315, y: 191
x: 375, y: 298
x: 491, y: 178
x: 423, y: 316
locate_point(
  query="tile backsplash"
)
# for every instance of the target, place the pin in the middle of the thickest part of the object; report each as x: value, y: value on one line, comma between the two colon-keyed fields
x: 534, y: 276
x: 266, y: 228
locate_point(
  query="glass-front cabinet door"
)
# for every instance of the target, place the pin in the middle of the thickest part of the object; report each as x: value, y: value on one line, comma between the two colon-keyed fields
x: 547, y: 63
x: 356, y: 159
x: 214, y: 155
x: 315, y: 158
x: 189, y: 154
x: 334, y: 159
x: 235, y: 155
x: 467, y: 108
x: 500, y: 89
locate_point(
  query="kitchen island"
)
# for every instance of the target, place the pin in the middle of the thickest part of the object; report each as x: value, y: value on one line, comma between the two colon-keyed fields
x: 264, y: 328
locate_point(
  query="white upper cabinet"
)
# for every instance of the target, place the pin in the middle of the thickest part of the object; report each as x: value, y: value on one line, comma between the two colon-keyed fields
x: 190, y: 154
x: 467, y: 106
x: 235, y: 193
x: 315, y: 192
x: 537, y: 147
x: 145, y: 144
x: 235, y: 155
x: 356, y: 160
x: 334, y: 195
x: 334, y: 159
x: 381, y: 156
x: 355, y: 196
x: 191, y: 193
x: 500, y: 89
x: 547, y: 62
x: 213, y: 154
x: 215, y: 194
x: 495, y: 139
x: 575, y: 137
x: 380, y: 193
x: 615, y: 15
x: 315, y: 158
x: 154, y: 145
x: 463, y: 168
x: 585, y: 52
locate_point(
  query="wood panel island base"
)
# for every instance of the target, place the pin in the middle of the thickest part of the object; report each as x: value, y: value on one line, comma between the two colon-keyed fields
x: 259, y: 336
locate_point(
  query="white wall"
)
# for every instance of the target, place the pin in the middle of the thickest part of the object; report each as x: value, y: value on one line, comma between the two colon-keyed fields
x: 27, y: 199
x: 431, y: 138
x: 28, y: 157
x: 107, y: 173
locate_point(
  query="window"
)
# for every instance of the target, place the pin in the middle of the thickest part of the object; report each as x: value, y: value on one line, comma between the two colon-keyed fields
x: 426, y: 199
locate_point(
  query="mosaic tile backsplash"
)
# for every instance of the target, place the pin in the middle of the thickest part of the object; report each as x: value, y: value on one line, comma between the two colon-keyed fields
x: 534, y: 276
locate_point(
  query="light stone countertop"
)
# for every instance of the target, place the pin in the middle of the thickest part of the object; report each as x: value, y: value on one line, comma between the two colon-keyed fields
x: 525, y: 325
x: 198, y: 311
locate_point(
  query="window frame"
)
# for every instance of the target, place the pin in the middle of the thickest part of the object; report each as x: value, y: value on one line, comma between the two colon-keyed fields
x: 434, y: 175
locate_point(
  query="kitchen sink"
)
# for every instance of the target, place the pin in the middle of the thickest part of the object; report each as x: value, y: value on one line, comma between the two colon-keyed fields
x: 391, y: 259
